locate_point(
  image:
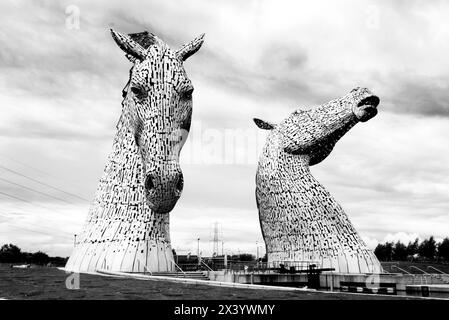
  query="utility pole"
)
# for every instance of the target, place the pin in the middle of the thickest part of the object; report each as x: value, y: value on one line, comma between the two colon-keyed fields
x: 257, y: 256
x: 199, y: 258
x: 74, y: 241
x: 225, y: 260
x: 217, y: 238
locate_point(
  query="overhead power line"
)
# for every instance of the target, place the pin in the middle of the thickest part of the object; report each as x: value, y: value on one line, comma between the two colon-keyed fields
x: 8, y: 215
x: 27, y: 165
x: 27, y: 201
x: 40, y: 232
x: 65, y: 235
x: 42, y: 183
x: 14, y: 197
x: 39, y: 192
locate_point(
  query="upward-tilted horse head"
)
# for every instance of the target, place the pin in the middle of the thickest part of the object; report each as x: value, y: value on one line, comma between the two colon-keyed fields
x: 300, y: 220
x: 314, y: 132
x: 157, y: 109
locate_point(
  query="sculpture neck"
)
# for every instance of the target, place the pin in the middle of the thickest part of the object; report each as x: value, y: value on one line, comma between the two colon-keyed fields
x: 275, y: 162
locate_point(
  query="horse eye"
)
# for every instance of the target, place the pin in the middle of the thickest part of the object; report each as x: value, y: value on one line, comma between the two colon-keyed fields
x: 188, y: 94
x: 139, y: 92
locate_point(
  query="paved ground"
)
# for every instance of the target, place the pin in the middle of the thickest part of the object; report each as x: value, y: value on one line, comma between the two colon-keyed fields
x: 49, y: 283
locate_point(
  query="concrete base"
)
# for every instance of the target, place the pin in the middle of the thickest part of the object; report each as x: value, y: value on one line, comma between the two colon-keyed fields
x: 429, y: 287
x: 142, y: 256
x: 197, y: 282
x: 327, y: 280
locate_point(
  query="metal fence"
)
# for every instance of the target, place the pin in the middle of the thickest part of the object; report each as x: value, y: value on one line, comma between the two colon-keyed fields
x: 249, y: 266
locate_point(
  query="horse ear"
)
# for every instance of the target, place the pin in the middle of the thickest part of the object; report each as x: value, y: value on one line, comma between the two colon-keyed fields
x: 190, y: 48
x: 263, y: 124
x: 132, y: 49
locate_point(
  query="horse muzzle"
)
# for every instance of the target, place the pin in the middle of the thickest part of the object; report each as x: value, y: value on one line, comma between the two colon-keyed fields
x: 163, y: 191
x: 367, y: 108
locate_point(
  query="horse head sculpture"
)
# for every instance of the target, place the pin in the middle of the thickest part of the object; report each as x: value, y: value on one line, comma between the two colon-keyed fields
x: 128, y: 224
x: 315, y: 132
x: 300, y: 220
x: 157, y: 107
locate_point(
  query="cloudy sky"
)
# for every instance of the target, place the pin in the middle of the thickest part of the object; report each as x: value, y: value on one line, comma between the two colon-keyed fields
x: 61, y: 77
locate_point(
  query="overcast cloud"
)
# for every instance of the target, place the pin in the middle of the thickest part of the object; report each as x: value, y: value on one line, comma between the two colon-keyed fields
x: 60, y: 92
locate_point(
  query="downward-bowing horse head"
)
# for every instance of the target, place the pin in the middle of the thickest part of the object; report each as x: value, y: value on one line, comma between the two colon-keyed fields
x: 157, y: 108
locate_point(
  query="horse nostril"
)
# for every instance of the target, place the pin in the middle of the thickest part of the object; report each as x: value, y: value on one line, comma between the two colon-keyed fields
x: 180, y: 183
x: 371, y: 101
x: 149, y: 183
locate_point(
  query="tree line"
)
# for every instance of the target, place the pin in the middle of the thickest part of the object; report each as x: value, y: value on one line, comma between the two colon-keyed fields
x: 10, y: 253
x: 427, y: 250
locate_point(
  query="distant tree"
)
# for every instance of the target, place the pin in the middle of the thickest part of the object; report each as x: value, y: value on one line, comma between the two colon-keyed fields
x: 389, y: 250
x: 384, y: 252
x: 379, y: 251
x: 39, y: 258
x: 412, y: 248
x: 58, y: 261
x: 11, y: 253
x: 427, y: 249
x: 399, y: 251
x: 246, y: 257
x: 443, y: 249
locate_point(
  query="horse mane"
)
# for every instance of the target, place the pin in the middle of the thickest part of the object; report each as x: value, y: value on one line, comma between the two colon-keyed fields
x: 145, y: 39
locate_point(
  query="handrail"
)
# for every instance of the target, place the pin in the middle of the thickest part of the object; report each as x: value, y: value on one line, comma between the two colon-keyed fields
x: 148, y: 270
x: 419, y: 269
x: 430, y: 267
x: 206, y: 265
x: 184, y: 274
x: 395, y: 266
x: 295, y: 263
x: 144, y: 268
